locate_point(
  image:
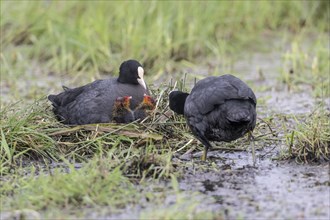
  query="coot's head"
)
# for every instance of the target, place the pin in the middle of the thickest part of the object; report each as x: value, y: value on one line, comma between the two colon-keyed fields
x: 131, y: 72
x: 123, y: 102
x: 177, y: 101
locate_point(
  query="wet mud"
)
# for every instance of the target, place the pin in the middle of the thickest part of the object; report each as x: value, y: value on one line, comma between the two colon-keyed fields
x: 270, y: 189
x: 235, y: 188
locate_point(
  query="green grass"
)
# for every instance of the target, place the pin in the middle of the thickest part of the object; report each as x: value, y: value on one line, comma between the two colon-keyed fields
x: 68, y: 37
x: 94, y: 189
x: 307, y: 64
x: 39, y: 155
x: 93, y: 184
x: 309, y: 141
x: 33, y: 133
x: 38, y: 158
x: 48, y: 43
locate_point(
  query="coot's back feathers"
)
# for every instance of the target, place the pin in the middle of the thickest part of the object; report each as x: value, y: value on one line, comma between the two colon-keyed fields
x: 223, y: 105
x: 213, y: 91
x: 67, y: 96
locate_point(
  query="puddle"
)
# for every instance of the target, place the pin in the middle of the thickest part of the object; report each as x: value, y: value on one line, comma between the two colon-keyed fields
x: 271, y: 190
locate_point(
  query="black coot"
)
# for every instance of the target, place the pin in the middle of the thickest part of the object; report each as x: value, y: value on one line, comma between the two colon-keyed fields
x: 121, y: 112
x: 217, y: 109
x: 93, y: 102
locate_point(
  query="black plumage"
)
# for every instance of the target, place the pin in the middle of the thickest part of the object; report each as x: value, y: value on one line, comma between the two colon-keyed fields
x: 93, y: 103
x: 217, y: 109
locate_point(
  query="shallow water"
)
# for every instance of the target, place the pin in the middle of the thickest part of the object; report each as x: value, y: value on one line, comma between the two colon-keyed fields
x: 272, y: 189
x: 269, y: 190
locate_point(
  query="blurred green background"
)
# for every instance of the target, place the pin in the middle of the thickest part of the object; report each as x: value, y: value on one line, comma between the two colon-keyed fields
x: 74, y: 42
x: 277, y: 47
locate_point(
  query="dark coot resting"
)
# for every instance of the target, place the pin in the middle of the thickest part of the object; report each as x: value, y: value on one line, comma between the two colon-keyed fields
x: 145, y: 107
x: 217, y: 109
x: 93, y: 102
x: 121, y: 112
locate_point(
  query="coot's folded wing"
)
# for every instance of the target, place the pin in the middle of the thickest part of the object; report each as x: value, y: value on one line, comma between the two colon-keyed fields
x: 214, y: 91
x: 71, y: 95
x: 66, y: 97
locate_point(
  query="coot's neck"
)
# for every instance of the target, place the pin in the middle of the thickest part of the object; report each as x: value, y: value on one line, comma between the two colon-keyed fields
x: 127, y: 80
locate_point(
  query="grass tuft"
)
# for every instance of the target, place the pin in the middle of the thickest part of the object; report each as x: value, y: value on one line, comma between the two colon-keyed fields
x: 310, y: 140
x: 94, y: 184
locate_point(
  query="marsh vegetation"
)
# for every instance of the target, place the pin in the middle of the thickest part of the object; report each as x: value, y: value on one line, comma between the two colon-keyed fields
x: 152, y: 168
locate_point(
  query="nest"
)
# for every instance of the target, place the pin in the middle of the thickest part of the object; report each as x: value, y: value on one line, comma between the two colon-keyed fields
x: 140, y: 148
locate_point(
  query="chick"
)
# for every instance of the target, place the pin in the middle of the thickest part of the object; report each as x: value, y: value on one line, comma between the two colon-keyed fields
x: 145, y: 107
x: 121, y: 110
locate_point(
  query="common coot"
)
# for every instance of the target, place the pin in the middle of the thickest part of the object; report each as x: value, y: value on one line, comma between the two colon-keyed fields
x: 217, y: 109
x: 93, y: 103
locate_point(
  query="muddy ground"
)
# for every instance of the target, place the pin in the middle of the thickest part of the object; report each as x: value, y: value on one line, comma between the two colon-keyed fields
x: 271, y: 189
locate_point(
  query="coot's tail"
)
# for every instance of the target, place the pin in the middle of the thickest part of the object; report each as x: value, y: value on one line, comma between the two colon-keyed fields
x: 239, y: 111
x: 65, y: 88
x: 53, y: 100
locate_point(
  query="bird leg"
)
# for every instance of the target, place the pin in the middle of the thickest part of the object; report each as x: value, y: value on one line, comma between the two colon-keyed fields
x: 204, y: 156
x: 206, y: 144
x: 251, y: 139
x: 200, y: 136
